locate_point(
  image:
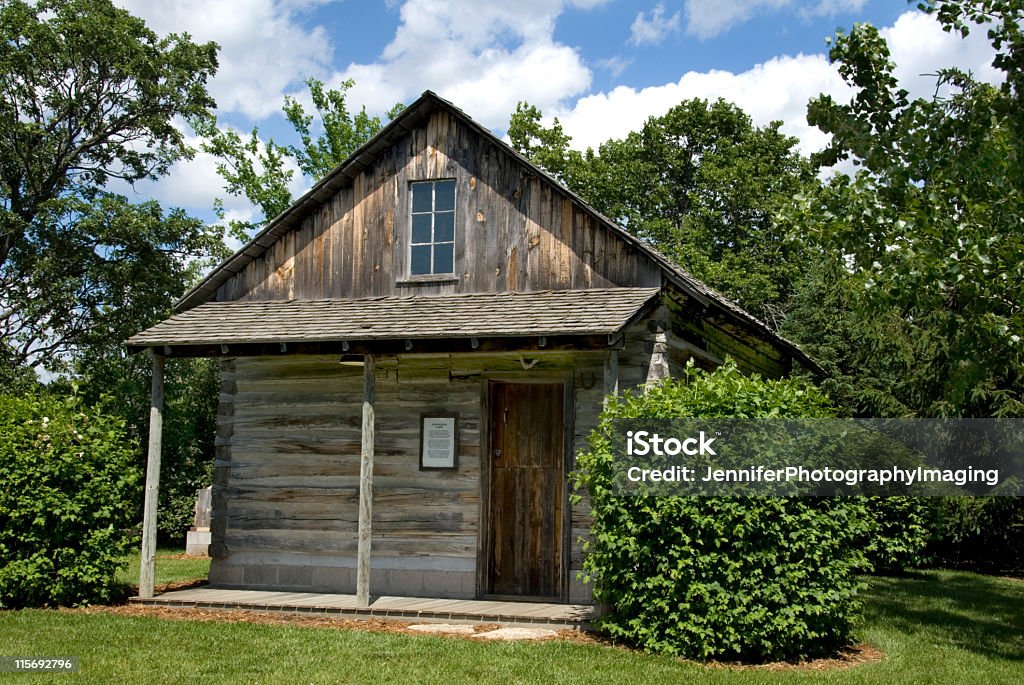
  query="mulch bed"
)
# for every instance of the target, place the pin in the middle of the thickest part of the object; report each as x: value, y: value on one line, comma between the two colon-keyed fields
x: 378, y: 625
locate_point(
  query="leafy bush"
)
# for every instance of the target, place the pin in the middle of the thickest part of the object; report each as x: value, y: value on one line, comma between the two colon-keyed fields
x: 753, y: 579
x: 902, y: 530
x: 191, y: 389
x: 67, y: 485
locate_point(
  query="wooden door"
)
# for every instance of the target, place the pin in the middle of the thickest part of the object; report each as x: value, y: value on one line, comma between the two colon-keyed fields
x: 525, y: 541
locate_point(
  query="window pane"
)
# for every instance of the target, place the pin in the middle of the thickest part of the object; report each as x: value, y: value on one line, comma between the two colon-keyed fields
x: 421, y: 228
x: 444, y: 196
x: 444, y: 258
x: 444, y: 227
x: 420, y: 260
x: 421, y: 194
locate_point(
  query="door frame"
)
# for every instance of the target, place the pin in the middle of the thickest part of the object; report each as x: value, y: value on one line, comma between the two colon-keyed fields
x: 484, y: 542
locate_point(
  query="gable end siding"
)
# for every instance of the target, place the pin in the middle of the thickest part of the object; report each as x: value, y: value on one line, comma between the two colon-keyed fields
x: 514, y: 231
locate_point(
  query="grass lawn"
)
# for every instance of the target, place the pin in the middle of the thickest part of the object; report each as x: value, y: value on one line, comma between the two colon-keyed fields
x: 172, y: 566
x: 935, y: 627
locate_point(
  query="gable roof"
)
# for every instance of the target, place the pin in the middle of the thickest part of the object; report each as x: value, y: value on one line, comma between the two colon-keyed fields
x: 411, y: 118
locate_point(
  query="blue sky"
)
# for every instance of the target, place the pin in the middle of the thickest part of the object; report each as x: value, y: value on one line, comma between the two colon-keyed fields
x: 601, y: 66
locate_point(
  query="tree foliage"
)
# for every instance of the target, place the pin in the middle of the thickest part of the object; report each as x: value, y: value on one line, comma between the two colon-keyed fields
x: 262, y: 171
x: 982, y: 532
x: 90, y: 96
x: 252, y: 169
x: 547, y: 147
x: 916, y: 306
x: 701, y: 183
x: 99, y: 272
x: 929, y: 227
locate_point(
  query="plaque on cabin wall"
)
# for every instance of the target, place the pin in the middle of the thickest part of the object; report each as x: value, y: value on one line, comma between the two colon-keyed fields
x: 439, y: 440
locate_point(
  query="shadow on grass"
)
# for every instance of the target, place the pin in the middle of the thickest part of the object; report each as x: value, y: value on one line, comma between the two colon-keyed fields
x: 952, y: 609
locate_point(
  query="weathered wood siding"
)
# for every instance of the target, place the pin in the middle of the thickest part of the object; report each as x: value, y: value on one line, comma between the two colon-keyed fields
x: 514, y: 231
x: 289, y: 512
x: 718, y: 337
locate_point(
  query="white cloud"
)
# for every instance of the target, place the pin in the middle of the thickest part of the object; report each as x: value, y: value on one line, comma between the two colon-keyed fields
x: 708, y: 18
x: 653, y: 30
x: 194, y: 184
x: 780, y: 88
x: 484, y: 55
x: 487, y: 55
x: 920, y: 47
x: 830, y: 8
x: 264, y: 48
x: 776, y: 90
x: 614, y: 65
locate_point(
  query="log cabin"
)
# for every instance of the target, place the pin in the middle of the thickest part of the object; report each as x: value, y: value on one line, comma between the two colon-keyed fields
x: 412, y: 354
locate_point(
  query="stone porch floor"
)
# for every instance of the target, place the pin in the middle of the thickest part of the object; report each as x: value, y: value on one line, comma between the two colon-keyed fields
x: 572, y: 616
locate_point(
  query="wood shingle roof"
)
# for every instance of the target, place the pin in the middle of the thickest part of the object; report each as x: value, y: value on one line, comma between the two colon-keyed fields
x: 506, y: 314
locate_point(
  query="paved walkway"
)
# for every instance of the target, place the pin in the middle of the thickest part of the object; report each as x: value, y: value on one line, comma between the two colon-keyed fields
x: 574, y: 616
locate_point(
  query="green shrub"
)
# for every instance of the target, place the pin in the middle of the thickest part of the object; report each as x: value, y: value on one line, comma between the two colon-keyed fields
x: 67, y: 485
x: 900, y: 534
x: 750, y: 579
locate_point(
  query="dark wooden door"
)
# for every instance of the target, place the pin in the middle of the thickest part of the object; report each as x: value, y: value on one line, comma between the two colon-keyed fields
x: 525, y: 541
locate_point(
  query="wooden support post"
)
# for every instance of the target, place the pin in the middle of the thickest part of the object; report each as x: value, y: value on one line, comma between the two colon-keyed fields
x: 366, y: 487
x: 658, y: 369
x: 611, y: 374
x: 156, y: 421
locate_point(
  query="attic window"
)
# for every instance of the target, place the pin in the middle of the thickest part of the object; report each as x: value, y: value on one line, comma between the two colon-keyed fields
x: 432, y: 239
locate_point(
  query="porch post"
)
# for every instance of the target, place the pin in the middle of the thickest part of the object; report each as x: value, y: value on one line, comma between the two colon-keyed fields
x: 658, y: 370
x: 611, y: 374
x: 366, y: 487
x: 149, y: 514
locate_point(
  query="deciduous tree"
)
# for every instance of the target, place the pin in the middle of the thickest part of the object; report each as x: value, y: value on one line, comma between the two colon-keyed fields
x: 929, y: 228
x: 90, y: 96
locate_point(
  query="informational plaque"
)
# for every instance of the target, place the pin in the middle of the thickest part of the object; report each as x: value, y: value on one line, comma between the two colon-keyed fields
x: 439, y: 441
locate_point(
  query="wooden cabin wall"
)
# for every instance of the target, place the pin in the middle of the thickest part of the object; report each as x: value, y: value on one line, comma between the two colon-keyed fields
x: 287, y: 509
x: 284, y: 499
x: 514, y: 231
